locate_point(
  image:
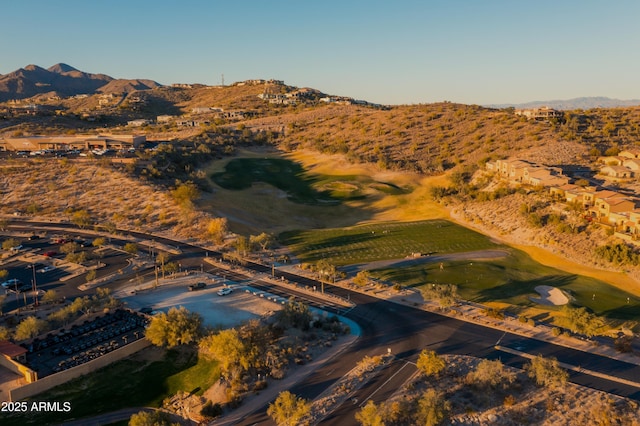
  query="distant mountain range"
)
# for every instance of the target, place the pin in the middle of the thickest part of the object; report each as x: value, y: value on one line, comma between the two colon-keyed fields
x: 576, y: 103
x: 63, y: 80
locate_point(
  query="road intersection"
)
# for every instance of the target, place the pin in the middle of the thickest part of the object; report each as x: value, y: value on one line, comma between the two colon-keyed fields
x: 403, y: 326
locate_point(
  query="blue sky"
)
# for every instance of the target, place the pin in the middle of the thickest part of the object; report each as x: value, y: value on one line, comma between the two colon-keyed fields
x: 391, y: 52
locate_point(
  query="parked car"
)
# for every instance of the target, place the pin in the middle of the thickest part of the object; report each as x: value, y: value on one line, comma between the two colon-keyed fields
x: 197, y: 286
x: 225, y: 291
x: 23, y: 288
x: 49, y: 253
x: 46, y: 269
x: 146, y: 310
x: 12, y: 283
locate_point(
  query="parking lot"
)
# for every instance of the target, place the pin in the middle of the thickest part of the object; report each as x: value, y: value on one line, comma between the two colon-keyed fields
x: 42, y: 261
x: 226, y: 311
x: 68, y: 348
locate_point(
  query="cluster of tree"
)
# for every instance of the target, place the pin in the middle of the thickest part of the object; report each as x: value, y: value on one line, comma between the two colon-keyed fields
x: 619, y: 254
x: 244, y: 352
x: 10, y: 243
x: 295, y: 314
x: 185, y: 194
x: 445, y: 294
x: 434, y: 407
x: 289, y: 409
x: 581, y: 321
x: 182, y: 160
x: 430, y: 409
x: 151, y: 418
x: 32, y: 326
x: 176, y: 327
x: 324, y: 269
x: 82, y: 305
x: 262, y: 241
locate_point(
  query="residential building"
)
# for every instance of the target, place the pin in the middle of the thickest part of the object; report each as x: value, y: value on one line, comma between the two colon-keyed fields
x: 618, y: 172
x: 543, y: 113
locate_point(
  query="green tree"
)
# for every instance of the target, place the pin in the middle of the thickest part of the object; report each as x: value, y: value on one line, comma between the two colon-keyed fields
x: 185, y: 193
x: 163, y: 258
x: 30, y: 327
x: 430, y: 363
x: 579, y: 320
x: 81, y: 218
x: 176, y: 327
x: 70, y: 247
x: 326, y: 270
x: 99, y: 242
x: 546, y: 372
x: 242, y: 245
x: 217, y: 229
x: 4, y: 224
x: 490, y: 374
x: 362, y: 278
x: 433, y: 409
x: 263, y: 240
x: 288, y: 409
x: 370, y: 415
x: 445, y: 294
x: 171, y: 267
x: 151, y: 418
x: 5, y: 333
x: 294, y: 314
x: 9, y: 243
x: 91, y: 275
x: 131, y: 248
x: 3, y: 274
x: 228, y: 349
x: 50, y: 296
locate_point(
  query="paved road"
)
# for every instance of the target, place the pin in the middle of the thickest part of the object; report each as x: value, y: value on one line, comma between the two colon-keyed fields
x: 406, y: 331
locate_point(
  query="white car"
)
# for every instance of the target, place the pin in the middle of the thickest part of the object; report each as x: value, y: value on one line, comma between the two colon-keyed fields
x: 225, y: 291
x: 46, y: 269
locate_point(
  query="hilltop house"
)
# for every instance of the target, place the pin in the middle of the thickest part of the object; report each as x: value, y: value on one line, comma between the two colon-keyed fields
x: 543, y: 113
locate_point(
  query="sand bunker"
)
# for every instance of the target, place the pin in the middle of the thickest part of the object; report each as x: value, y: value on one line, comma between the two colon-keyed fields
x: 550, y: 296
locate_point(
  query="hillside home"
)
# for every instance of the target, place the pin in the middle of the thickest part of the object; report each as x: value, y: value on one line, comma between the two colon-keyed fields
x: 630, y: 153
x: 618, y: 172
x: 560, y: 191
x: 590, y: 196
x: 604, y: 208
x: 612, y: 160
x: 543, y: 113
x: 632, y: 164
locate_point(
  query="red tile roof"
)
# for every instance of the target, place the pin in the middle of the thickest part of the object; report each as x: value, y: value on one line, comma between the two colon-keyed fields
x: 11, y: 349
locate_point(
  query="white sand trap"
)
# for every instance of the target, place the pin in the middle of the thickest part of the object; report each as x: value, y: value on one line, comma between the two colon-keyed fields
x: 550, y: 296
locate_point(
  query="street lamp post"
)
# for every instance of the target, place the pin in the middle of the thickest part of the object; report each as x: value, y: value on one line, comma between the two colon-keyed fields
x: 34, y: 286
